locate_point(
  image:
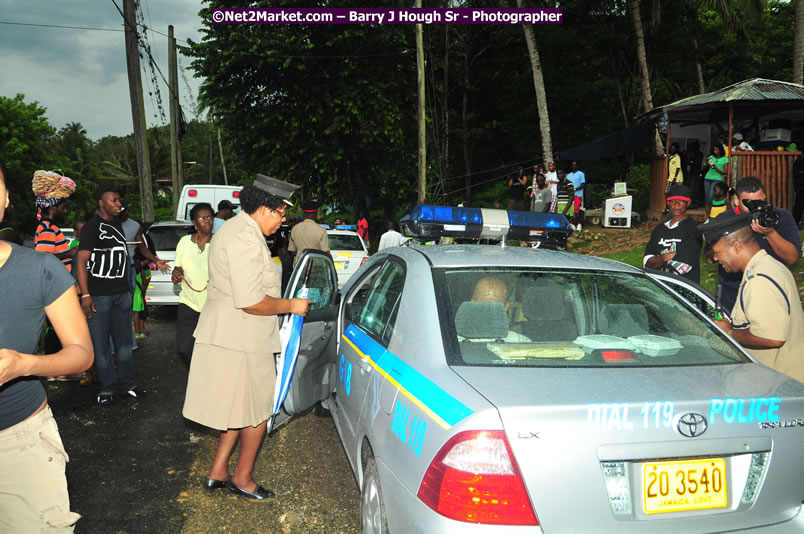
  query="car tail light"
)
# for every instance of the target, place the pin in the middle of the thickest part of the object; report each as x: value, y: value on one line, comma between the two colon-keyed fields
x: 756, y: 476
x: 192, y: 193
x: 474, y: 478
x: 236, y: 194
x: 364, y: 260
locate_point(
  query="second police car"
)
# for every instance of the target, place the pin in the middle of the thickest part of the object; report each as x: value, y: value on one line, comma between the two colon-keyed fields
x: 505, y: 389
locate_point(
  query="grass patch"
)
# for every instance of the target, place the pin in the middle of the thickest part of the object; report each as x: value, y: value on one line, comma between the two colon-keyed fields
x: 709, y: 279
x: 632, y: 256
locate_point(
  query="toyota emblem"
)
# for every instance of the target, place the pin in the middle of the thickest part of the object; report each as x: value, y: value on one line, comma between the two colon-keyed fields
x: 691, y: 425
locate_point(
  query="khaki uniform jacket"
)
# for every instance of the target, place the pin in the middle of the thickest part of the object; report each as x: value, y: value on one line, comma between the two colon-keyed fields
x: 768, y: 304
x: 307, y: 234
x: 241, y: 274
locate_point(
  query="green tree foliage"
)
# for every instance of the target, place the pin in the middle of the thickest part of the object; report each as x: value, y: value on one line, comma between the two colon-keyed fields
x: 24, y: 137
x: 333, y: 107
x: 328, y: 107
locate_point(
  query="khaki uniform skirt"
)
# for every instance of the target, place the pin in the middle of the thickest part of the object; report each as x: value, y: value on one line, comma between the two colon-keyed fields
x: 228, y: 388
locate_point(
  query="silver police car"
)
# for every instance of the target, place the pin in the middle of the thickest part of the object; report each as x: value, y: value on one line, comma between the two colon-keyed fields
x: 480, y: 388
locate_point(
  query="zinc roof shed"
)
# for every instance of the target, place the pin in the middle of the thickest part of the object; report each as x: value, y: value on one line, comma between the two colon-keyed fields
x: 746, y: 99
x: 749, y: 99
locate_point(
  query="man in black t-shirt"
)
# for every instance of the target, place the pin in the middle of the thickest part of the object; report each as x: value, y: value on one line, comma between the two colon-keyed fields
x: 675, y: 245
x: 102, y: 271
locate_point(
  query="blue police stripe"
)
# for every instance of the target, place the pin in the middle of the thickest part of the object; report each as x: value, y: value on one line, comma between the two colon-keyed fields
x: 444, y: 405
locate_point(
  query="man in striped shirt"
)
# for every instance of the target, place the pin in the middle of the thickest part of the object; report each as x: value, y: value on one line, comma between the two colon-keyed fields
x: 49, y: 238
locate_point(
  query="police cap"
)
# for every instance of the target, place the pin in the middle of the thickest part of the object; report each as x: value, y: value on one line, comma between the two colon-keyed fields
x: 724, y: 226
x: 276, y: 187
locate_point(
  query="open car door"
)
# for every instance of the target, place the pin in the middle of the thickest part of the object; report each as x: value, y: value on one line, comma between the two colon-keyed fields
x: 694, y: 294
x: 314, y: 271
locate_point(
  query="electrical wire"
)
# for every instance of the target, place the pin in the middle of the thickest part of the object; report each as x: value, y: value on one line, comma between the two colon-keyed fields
x: 59, y: 26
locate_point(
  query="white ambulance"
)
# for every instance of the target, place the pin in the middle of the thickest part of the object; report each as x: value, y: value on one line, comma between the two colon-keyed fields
x: 196, y: 193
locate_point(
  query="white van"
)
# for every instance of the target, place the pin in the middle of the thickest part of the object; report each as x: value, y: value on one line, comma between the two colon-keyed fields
x: 196, y: 193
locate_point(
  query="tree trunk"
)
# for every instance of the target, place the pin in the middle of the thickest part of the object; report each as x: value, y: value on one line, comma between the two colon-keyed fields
x: 467, y: 161
x: 698, y: 69
x: 647, y: 101
x: 541, y: 96
x: 798, y: 44
x: 620, y: 93
x: 445, y: 118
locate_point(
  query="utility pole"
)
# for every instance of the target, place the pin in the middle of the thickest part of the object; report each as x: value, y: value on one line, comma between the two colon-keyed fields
x: 210, y: 157
x: 176, y: 165
x: 422, y: 119
x: 223, y: 163
x: 138, y: 111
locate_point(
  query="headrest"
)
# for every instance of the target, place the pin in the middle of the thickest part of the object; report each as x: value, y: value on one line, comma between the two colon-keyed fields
x: 481, y: 320
x: 543, y: 301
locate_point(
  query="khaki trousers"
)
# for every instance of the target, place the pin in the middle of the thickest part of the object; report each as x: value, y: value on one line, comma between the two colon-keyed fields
x: 33, y: 483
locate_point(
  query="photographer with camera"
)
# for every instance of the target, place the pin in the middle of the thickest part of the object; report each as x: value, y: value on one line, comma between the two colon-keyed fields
x: 768, y: 319
x: 774, y: 229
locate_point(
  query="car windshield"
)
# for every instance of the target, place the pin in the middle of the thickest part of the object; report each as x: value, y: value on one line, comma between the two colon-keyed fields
x: 167, y: 237
x: 553, y: 318
x: 344, y: 242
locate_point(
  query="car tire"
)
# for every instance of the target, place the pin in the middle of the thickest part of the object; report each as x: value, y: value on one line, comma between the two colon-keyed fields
x: 320, y: 411
x: 372, y: 508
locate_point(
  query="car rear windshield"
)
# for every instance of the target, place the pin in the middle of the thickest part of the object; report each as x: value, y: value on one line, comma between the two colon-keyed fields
x: 344, y: 242
x: 167, y: 237
x: 553, y: 318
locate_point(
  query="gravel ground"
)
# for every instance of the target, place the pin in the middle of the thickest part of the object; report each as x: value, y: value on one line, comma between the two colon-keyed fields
x: 137, y: 466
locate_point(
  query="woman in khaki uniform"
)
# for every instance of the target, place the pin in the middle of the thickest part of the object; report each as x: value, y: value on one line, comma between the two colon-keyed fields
x: 232, y: 374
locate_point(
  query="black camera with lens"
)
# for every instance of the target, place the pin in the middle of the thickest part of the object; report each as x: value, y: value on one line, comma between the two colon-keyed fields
x: 762, y: 212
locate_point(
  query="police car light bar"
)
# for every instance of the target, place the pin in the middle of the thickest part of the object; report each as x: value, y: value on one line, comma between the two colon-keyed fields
x: 326, y: 226
x: 430, y: 222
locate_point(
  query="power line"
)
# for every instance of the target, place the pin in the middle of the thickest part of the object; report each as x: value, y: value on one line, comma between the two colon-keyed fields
x: 60, y: 26
x: 185, y: 41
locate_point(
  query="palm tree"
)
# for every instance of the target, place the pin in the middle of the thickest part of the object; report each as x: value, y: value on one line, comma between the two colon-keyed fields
x: 636, y: 18
x: 647, y: 100
x: 734, y: 14
x: 798, y: 44
x: 541, y: 94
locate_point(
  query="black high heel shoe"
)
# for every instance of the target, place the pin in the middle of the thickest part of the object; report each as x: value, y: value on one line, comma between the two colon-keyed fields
x: 259, y: 493
x: 211, y: 484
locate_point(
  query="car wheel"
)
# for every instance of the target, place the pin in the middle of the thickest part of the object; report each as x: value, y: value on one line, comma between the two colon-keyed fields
x: 320, y: 411
x: 372, y: 509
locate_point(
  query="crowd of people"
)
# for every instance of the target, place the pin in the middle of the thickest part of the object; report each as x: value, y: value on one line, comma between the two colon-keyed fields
x: 549, y: 191
x: 758, y: 298
x: 88, y: 291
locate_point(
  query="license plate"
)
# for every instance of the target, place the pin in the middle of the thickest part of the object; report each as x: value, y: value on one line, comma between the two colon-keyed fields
x: 684, y: 485
x: 338, y: 265
x: 345, y: 254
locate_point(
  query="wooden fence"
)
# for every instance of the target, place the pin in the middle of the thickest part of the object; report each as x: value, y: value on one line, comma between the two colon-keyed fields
x: 774, y: 170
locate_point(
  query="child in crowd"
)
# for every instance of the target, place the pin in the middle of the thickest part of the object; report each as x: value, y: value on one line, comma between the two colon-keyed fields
x: 720, y: 200
x: 78, y: 225
x: 142, y: 266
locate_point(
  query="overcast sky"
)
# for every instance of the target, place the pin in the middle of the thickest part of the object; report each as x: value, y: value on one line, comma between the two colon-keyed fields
x: 80, y: 75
